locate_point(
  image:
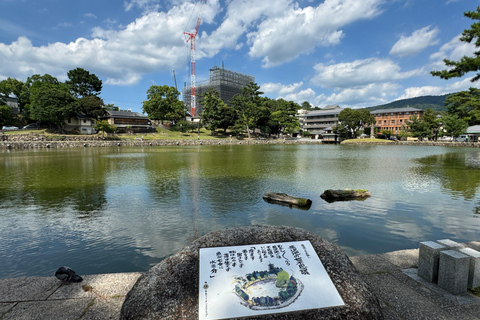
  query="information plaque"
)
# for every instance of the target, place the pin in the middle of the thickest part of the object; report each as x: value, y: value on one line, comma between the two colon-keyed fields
x: 258, y: 279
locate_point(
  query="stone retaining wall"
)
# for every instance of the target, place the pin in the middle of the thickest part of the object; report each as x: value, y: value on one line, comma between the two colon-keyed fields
x: 11, y: 145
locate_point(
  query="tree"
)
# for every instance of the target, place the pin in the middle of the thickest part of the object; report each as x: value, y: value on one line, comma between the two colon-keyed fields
x: 11, y: 87
x: 465, y: 64
x: 284, y: 115
x: 432, y: 122
x: 5, y: 114
x: 111, y: 106
x: 354, y: 119
x: 241, y: 106
x: 306, y: 105
x: 453, y: 125
x: 163, y: 103
x: 83, y: 84
x: 51, y: 104
x: 91, y: 106
x: 252, y: 94
x: 211, y: 107
x: 104, y: 126
x: 465, y: 104
x: 26, y: 92
x: 418, y: 127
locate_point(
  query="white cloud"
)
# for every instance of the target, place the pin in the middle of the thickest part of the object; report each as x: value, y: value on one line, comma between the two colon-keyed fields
x: 360, y: 73
x: 289, y: 92
x: 90, y: 15
x: 363, y: 96
x: 153, y: 42
x: 461, y: 85
x: 282, y: 38
x: 452, y: 50
x: 416, y: 42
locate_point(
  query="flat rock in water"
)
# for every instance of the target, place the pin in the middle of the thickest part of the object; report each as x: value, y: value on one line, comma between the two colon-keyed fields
x: 170, y: 289
x: 344, y: 194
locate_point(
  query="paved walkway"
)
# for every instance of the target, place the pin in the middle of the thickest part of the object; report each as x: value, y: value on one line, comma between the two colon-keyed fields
x: 391, y: 276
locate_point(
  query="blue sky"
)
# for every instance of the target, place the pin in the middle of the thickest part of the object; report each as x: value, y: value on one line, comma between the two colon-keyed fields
x: 354, y: 53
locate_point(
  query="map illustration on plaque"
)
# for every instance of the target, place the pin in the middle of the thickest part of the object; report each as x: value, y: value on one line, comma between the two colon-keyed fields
x: 268, y: 289
x: 250, y: 280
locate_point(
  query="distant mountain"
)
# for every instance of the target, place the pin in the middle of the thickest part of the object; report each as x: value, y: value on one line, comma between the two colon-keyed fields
x: 435, y: 103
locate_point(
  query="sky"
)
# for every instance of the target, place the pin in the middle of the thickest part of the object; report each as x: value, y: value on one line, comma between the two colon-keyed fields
x: 354, y: 53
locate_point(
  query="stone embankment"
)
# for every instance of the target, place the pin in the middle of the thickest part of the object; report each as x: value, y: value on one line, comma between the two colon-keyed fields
x: 31, y: 141
x: 419, y: 143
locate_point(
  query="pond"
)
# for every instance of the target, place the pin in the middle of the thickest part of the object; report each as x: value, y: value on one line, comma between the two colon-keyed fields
x: 101, y: 210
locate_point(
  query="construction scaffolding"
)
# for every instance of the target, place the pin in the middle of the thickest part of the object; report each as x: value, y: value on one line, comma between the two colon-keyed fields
x: 226, y: 82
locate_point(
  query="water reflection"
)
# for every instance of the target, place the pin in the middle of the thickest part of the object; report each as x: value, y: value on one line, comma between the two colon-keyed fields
x: 457, y: 172
x: 125, y: 209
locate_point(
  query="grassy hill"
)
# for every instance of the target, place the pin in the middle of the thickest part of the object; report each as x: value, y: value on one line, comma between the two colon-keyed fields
x: 433, y: 102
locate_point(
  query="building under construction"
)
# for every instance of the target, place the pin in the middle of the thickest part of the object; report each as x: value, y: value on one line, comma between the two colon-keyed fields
x: 226, y: 82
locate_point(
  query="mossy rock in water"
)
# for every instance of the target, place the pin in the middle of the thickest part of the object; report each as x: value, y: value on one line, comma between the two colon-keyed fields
x: 345, y: 194
x: 283, y: 198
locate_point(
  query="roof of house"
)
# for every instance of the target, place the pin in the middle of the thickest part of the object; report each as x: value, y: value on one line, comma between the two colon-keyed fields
x: 324, y: 111
x: 125, y: 114
x: 393, y: 110
x: 473, y: 129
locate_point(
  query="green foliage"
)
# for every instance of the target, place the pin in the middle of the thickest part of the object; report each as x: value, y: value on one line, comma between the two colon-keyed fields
x: 82, y: 83
x: 306, y: 105
x: 453, y: 125
x: 5, y: 115
x: 418, y: 128
x: 162, y: 104
x: 111, y: 106
x: 353, y: 120
x: 104, y: 126
x: 387, y: 132
x: 212, y: 110
x: 466, y: 105
x: 51, y: 102
x: 465, y: 64
x: 91, y: 106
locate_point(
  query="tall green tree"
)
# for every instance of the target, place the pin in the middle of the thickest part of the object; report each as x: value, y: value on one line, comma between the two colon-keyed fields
x: 82, y: 83
x: 28, y: 88
x: 306, y: 105
x: 465, y: 64
x: 465, y: 105
x: 284, y: 115
x: 211, y: 109
x: 354, y: 119
x: 252, y: 94
x: 418, y: 127
x: 432, y: 122
x: 11, y: 87
x: 51, y: 104
x: 5, y: 114
x: 243, y: 109
x: 163, y: 104
x: 91, y: 106
x: 453, y: 125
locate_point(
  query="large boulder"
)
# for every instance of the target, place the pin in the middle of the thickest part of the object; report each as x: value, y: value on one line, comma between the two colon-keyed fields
x: 169, y: 290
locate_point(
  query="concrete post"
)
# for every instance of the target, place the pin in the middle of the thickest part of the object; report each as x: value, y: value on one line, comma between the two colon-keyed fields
x: 453, y: 271
x: 474, y: 267
x: 428, y: 258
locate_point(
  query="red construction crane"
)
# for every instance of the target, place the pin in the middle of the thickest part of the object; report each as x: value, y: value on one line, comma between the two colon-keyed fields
x: 191, y: 37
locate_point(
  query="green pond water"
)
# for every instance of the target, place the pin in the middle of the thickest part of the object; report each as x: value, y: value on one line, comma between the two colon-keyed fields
x: 100, y: 210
